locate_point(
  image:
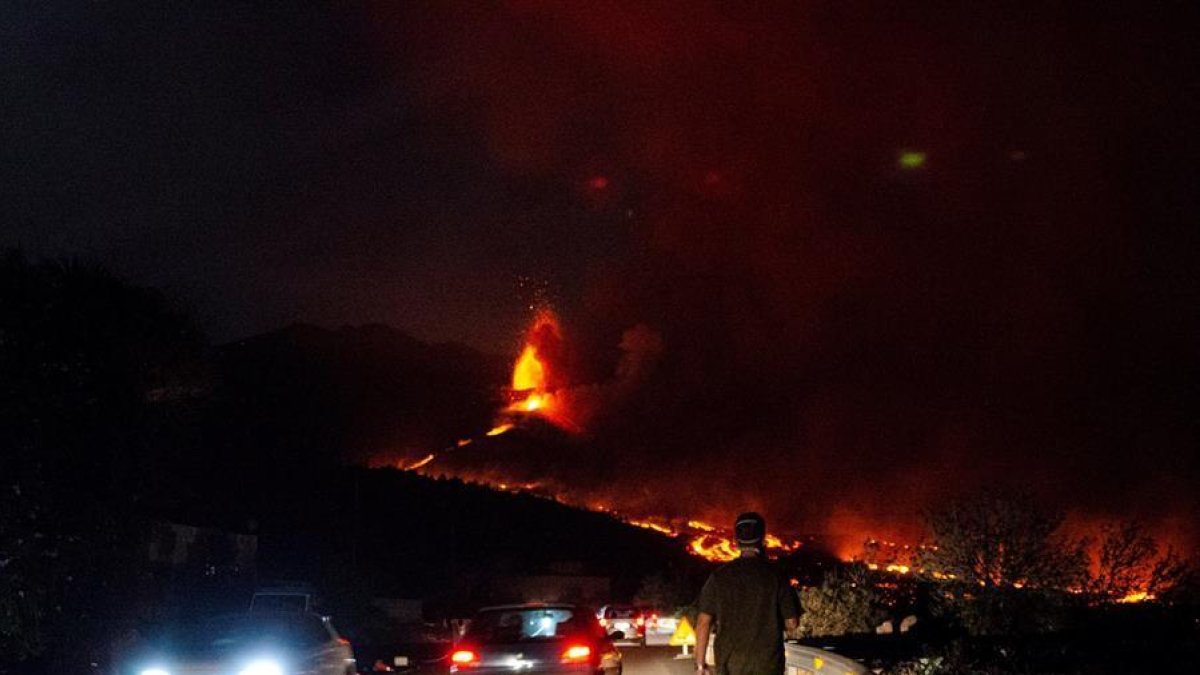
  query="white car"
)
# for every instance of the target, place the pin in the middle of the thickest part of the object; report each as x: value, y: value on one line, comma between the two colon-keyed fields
x: 253, y: 643
x: 622, y: 622
x: 659, y: 627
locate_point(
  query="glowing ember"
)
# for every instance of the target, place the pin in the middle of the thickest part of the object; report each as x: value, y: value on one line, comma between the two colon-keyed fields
x: 700, y: 525
x: 1136, y: 596
x: 496, y: 431
x: 891, y: 557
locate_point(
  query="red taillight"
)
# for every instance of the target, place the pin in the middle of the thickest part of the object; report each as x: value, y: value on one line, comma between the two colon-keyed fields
x: 577, y: 654
x: 464, y: 657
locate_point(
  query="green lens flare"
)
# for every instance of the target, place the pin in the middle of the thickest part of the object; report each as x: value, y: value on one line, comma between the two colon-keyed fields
x: 912, y: 159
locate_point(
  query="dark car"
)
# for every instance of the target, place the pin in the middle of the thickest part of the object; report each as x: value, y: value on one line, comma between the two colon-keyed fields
x: 252, y: 643
x: 536, y: 638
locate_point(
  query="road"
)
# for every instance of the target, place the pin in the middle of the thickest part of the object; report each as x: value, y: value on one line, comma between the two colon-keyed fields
x: 637, y: 661
x: 655, y: 661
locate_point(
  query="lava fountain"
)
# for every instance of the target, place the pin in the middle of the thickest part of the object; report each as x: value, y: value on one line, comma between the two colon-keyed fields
x: 535, y: 376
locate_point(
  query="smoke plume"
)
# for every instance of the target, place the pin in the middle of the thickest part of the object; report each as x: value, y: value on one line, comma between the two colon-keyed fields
x: 873, y: 257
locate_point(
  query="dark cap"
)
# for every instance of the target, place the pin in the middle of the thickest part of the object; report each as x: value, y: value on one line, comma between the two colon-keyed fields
x: 749, y: 529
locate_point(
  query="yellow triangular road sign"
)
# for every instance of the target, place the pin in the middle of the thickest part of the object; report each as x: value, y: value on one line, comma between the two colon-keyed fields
x: 683, y: 635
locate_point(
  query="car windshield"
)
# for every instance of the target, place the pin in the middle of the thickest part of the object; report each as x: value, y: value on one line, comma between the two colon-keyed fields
x: 620, y: 613
x: 507, y: 626
x: 230, y: 633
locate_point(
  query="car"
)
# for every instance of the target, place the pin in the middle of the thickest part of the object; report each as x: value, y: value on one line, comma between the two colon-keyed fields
x: 542, y: 638
x: 248, y: 643
x: 623, y: 622
x: 404, y: 648
x: 659, y: 626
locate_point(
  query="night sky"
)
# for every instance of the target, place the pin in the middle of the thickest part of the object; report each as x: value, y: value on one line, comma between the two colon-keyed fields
x: 898, y: 251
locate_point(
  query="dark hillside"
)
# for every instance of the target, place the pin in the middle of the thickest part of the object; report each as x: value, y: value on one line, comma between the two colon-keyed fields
x: 355, y: 391
x: 391, y: 533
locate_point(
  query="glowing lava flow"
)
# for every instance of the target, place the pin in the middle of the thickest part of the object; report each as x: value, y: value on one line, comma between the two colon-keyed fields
x: 420, y: 463
x: 657, y: 527
x: 715, y: 547
x: 1136, y: 596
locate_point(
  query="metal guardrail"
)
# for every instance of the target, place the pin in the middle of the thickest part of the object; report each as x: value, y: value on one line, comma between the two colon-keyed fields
x: 805, y: 660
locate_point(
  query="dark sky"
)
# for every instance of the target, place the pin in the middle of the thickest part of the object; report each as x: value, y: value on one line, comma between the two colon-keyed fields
x: 1020, y: 308
x: 270, y: 165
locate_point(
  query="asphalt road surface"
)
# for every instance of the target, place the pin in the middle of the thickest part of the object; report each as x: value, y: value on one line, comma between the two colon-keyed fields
x: 655, y: 661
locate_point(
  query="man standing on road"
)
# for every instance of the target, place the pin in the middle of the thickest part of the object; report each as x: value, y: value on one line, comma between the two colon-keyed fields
x: 751, y: 603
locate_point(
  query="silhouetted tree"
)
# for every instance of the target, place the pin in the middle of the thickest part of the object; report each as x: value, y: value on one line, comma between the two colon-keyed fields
x: 1131, y: 564
x: 30, y: 578
x: 1003, y: 564
x: 843, y: 603
x: 1003, y: 541
x: 88, y: 365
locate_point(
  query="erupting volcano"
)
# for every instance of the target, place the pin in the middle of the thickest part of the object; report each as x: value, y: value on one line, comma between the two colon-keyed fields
x: 534, y: 375
x: 537, y: 391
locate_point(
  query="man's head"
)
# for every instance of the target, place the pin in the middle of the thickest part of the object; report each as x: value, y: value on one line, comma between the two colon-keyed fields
x: 749, y: 530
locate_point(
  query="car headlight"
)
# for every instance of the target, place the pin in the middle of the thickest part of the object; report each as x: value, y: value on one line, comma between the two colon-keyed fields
x: 154, y: 671
x: 262, y: 667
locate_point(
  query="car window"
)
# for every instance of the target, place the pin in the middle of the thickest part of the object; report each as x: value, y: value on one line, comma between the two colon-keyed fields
x: 235, y: 632
x: 509, y: 626
x: 314, y: 632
